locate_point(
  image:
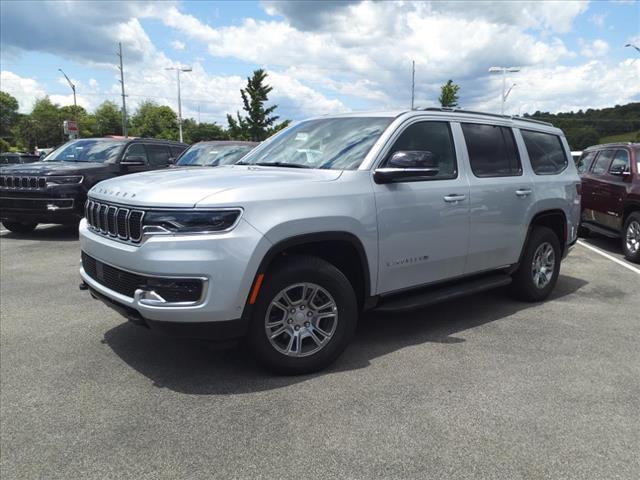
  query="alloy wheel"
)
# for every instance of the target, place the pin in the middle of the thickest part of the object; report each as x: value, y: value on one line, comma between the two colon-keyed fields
x: 633, y: 236
x: 301, y: 320
x: 543, y: 265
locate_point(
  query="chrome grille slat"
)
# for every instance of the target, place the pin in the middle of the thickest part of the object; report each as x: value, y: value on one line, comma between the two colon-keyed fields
x: 114, y: 221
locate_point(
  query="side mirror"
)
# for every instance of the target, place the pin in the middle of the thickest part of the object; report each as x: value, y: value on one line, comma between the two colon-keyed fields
x: 407, y: 166
x: 133, y: 160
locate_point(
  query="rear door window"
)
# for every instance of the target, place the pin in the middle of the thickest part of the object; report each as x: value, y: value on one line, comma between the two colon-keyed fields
x: 546, y: 152
x: 492, y: 150
x: 158, y: 155
x: 601, y: 165
x: 585, y: 161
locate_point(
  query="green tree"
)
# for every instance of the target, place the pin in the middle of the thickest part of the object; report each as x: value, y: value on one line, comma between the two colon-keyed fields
x: 42, y: 127
x: 449, y: 94
x: 199, y: 132
x: 108, y: 119
x: 258, y: 123
x: 8, y: 115
x: 154, y: 121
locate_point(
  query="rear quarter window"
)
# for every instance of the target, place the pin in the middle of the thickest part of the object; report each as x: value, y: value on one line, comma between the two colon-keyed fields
x: 546, y: 152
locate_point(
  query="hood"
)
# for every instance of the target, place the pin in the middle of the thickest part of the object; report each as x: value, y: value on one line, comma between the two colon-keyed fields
x: 52, y: 168
x: 185, y: 187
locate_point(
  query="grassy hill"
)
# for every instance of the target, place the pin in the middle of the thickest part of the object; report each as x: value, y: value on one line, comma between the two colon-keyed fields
x: 622, y: 137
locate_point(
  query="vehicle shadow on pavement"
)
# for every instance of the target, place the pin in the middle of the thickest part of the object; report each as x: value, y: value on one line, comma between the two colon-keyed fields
x: 610, y: 245
x: 199, y: 368
x: 48, y: 233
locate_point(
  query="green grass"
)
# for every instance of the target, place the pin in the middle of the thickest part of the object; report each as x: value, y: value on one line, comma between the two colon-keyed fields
x: 622, y: 137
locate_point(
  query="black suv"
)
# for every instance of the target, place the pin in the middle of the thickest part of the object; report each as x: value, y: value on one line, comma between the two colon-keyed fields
x: 55, y: 190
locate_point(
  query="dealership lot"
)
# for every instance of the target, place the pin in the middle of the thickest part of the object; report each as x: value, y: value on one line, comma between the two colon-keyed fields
x: 485, y: 387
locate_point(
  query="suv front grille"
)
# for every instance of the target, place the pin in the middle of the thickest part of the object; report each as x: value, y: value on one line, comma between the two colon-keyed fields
x: 114, y: 221
x: 22, y: 182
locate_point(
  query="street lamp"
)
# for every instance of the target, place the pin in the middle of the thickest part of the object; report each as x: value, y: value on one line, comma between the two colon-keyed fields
x: 504, y: 71
x: 178, y: 70
x: 75, y: 106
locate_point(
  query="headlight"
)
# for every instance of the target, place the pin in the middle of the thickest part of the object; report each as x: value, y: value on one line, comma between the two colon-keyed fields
x: 159, y: 222
x: 59, y: 180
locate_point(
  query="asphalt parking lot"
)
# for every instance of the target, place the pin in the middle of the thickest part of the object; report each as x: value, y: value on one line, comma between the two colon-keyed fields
x: 481, y: 388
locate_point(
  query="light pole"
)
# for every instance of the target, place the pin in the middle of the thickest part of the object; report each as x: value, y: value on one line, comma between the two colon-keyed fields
x: 504, y: 71
x: 178, y: 70
x: 75, y: 105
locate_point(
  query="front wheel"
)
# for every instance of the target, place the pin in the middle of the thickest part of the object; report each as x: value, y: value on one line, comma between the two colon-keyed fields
x: 540, y: 266
x: 305, y: 315
x: 631, y: 238
x: 18, y: 227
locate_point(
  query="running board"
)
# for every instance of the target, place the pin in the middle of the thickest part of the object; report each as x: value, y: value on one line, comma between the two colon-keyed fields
x: 600, y: 230
x: 412, y: 301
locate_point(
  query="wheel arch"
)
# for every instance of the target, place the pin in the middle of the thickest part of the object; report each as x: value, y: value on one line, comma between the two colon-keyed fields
x: 556, y: 220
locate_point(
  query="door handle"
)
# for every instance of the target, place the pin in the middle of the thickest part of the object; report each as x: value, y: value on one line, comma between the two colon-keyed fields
x: 454, y: 198
x: 523, y: 192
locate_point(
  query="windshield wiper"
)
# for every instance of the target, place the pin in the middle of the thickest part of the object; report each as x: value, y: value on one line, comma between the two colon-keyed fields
x: 281, y: 164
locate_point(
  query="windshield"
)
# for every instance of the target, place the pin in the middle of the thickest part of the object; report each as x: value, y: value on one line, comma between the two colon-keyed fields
x: 212, y: 155
x: 331, y: 143
x: 86, y: 151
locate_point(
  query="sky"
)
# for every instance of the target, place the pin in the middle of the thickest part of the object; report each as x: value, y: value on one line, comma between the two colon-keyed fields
x: 323, y: 57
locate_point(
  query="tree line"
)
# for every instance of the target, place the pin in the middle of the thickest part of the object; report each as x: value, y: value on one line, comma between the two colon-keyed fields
x: 43, y: 126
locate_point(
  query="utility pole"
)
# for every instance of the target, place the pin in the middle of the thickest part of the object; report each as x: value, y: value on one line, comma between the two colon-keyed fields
x: 504, y: 71
x: 413, y: 82
x: 124, y: 102
x: 178, y: 70
x: 75, y: 105
x: 198, y: 114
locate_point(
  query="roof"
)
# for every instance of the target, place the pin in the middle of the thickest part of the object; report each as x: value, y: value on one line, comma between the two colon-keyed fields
x: 134, y: 139
x: 227, y: 142
x: 614, y: 144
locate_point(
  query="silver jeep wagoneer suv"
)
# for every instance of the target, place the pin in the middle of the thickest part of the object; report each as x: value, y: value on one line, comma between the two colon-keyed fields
x: 330, y: 217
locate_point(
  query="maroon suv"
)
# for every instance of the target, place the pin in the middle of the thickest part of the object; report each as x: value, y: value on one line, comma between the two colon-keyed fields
x: 611, y: 194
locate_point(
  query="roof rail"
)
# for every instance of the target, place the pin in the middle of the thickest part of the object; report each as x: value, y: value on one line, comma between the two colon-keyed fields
x: 613, y: 143
x: 495, y: 115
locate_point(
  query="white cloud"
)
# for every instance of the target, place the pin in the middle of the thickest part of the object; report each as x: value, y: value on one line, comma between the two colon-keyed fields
x: 596, y: 48
x: 25, y: 90
x: 598, y: 19
x: 178, y: 45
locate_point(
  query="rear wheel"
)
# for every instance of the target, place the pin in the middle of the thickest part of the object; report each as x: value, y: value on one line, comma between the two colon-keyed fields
x: 305, y: 315
x: 540, y: 266
x: 18, y: 227
x: 631, y: 238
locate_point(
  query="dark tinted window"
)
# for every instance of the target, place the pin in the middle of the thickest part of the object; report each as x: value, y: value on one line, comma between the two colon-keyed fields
x: 136, y: 150
x: 9, y: 159
x: 546, y: 152
x: 434, y: 137
x: 492, y: 150
x: 176, y: 151
x: 585, y: 161
x: 158, y: 155
x: 620, y: 162
x: 601, y: 165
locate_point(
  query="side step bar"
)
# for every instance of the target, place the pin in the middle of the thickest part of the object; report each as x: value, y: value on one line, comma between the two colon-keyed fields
x: 412, y: 301
x: 600, y: 230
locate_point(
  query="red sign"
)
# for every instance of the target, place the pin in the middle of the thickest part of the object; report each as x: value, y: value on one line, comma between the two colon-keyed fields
x: 70, y: 127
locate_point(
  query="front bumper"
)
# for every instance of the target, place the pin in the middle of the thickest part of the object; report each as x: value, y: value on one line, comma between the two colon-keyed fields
x: 227, y: 262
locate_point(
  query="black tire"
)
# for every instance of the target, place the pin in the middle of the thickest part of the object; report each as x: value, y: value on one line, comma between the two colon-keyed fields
x: 292, y: 270
x: 524, y: 286
x: 18, y: 227
x: 629, y: 254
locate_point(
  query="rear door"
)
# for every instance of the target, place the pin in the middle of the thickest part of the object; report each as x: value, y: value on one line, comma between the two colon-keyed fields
x: 501, y: 197
x: 595, y: 197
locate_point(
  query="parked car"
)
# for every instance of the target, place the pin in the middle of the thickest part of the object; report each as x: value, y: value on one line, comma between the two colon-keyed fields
x: 576, y: 154
x: 611, y: 194
x: 214, y: 153
x: 11, y: 158
x: 55, y: 189
x: 399, y: 210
